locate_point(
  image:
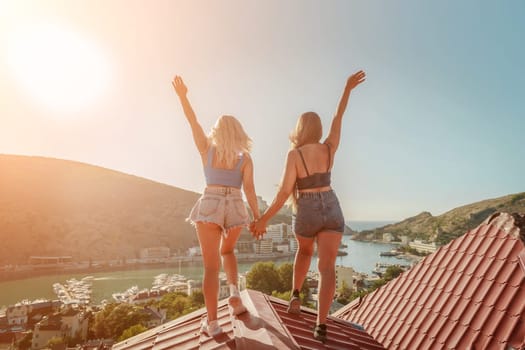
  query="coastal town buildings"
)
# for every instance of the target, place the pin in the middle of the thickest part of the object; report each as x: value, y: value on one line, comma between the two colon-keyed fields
x: 67, y: 323
x: 154, y: 253
x: 17, y: 314
x: 277, y: 232
x: 423, y: 247
x: 344, y: 274
x: 264, y: 246
x: 388, y: 237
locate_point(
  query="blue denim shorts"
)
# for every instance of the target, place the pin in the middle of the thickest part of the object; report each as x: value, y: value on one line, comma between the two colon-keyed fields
x: 316, y: 212
x: 222, y: 206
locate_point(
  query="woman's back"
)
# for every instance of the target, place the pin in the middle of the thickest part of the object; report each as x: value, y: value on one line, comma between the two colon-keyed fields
x: 317, y: 159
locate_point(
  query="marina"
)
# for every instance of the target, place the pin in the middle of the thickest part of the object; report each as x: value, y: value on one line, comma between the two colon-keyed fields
x: 74, y: 292
x: 162, y: 284
x: 362, y: 257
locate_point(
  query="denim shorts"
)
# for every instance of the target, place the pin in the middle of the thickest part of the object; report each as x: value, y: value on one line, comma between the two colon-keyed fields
x: 316, y: 212
x: 222, y: 206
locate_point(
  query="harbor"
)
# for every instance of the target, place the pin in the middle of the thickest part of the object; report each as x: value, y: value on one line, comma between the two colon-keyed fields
x: 362, y: 257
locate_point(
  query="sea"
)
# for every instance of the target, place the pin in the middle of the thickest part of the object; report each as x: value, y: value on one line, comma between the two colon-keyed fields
x: 362, y: 257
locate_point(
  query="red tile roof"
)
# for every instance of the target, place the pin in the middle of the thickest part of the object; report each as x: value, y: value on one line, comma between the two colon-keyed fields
x: 469, y: 294
x: 267, y: 326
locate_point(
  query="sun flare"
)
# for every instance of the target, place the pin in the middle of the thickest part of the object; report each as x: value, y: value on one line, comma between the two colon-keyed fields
x: 58, y: 67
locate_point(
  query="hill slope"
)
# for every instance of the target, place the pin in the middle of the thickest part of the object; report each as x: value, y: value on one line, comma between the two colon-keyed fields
x: 50, y: 206
x: 451, y: 224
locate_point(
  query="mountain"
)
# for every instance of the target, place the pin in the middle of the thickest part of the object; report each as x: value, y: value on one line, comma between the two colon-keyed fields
x: 450, y: 225
x: 59, y: 207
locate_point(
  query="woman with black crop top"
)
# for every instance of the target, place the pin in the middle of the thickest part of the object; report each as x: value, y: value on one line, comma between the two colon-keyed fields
x: 318, y: 216
x: 220, y: 213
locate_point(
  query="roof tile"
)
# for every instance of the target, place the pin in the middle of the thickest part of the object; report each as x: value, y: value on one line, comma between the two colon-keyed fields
x: 468, y: 294
x: 266, y: 326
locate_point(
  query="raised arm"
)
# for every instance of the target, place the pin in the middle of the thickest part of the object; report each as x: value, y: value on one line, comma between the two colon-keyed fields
x: 200, y: 139
x: 285, y: 190
x: 249, y: 187
x: 335, y: 129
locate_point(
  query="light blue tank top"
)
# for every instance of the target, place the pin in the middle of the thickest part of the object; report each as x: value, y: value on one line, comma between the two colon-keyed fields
x: 222, y: 177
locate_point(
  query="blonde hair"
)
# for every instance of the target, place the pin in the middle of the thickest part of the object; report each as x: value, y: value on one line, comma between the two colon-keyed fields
x: 307, y: 130
x: 229, y: 139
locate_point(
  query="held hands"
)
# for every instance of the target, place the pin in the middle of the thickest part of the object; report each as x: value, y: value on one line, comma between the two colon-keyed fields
x: 355, y: 79
x: 179, y: 86
x: 258, y: 228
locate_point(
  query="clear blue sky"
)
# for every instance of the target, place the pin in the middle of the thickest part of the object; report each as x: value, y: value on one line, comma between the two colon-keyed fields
x: 439, y: 122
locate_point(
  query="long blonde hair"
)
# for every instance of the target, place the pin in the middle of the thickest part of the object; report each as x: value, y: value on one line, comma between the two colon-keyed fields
x: 307, y: 130
x: 229, y: 139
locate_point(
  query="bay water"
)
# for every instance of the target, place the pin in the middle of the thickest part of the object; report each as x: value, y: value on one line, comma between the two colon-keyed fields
x: 362, y: 257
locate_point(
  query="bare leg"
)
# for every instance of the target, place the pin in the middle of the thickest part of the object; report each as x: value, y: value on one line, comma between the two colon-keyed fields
x: 327, y: 247
x: 303, y: 257
x: 229, y: 261
x: 209, y: 239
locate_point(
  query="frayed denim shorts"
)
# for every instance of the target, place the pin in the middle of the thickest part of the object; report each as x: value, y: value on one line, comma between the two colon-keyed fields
x: 317, y: 212
x: 222, y: 206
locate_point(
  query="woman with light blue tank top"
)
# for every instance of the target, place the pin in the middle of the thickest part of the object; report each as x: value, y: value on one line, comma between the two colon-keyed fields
x: 318, y: 215
x: 220, y: 213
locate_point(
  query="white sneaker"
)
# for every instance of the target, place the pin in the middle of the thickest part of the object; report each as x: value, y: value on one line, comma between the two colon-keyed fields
x: 236, y: 305
x: 211, y: 329
x: 235, y: 301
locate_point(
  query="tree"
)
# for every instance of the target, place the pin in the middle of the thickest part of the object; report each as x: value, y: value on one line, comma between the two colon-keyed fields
x: 392, y: 272
x: 263, y: 277
x: 56, y: 343
x: 132, y: 331
x: 115, y: 318
x: 285, y: 272
x: 344, y: 293
x: 177, y: 304
x: 197, y: 298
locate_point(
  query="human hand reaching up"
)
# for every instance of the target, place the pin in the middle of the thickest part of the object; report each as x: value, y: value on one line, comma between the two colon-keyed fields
x: 355, y: 79
x: 179, y: 86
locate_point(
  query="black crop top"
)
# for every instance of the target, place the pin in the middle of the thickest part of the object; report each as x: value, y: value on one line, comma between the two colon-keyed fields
x: 314, y: 180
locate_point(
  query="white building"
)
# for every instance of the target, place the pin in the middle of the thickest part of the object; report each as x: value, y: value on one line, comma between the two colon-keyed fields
x: 276, y: 232
x: 154, y: 253
x: 193, y: 251
x: 346, y: 274
x: 264, y: 246
x: 422, y: 247
x: 17, y: 314
x: 388, y: 237
x: 293, y: 244
x: 283, y: 248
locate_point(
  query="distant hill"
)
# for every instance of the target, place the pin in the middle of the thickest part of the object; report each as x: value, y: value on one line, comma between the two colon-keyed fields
x: 58, y: 207
x: 451, y: 224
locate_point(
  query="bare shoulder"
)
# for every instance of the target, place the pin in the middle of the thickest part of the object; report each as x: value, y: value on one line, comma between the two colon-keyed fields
x: 330, y: 146
x: 292, y: 154
x: 246, y: 156
x: 247, y: 162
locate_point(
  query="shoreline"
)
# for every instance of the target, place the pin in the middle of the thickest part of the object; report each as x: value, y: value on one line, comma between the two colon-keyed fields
x: 23, y: 274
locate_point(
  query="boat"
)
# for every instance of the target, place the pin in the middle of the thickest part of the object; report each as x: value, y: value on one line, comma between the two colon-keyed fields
x: 74, y: 292
x: 393, y: 252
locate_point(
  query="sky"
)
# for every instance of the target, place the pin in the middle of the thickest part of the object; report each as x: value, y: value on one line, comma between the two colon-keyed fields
x: 439, y: 122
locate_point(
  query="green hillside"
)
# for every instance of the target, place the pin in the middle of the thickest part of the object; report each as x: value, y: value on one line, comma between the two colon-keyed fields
x: 451, y: 224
